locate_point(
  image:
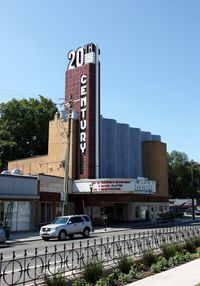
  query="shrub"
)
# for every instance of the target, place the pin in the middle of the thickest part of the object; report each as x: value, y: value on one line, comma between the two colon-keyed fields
x: 198, y: 252
x: 168, y: 250
x: 160, y: 265
x: 123, y: 277
x: 132, y: 273
x: 149, y: 258
x: 178, y: 258
x: 106, y: 281
x: 179, y: 247
x: 139, y: 267
x: 125, y: 264
x: 187, y: 256
x: 93, y: 271
x: 55, y: 280
x: 116, y: 273
x: 190, y: 246
x: 196, y: 241
x: 168, y: 216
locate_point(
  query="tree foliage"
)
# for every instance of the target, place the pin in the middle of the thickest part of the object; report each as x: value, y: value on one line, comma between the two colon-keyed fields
x: 24, y: 128
x: 180, y: 171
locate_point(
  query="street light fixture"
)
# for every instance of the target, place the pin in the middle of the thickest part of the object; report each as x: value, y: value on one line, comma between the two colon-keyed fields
x: 193, y: 164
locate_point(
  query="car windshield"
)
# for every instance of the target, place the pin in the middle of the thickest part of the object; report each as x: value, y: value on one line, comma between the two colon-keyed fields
x: 60, y: 220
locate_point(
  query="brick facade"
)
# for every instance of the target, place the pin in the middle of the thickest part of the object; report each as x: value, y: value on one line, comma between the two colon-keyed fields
x: 85, y: 162
x: 51, y: 164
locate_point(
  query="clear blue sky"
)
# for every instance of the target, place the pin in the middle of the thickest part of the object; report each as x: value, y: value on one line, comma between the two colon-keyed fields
x: 150, y: 59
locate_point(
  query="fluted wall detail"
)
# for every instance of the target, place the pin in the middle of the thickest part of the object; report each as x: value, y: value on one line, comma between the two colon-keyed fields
x: 121, y: 149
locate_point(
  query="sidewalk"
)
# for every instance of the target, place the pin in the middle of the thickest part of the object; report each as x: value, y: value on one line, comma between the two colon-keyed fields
x: 187, y: 274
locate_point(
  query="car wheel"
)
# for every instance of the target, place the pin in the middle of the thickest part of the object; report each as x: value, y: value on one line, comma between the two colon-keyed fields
x: 62, y: 235
x: 71, y: 236
x: 86, y: 232
x: 45, y: 238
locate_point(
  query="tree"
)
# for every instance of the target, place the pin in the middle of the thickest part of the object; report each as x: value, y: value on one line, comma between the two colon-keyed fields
x: 24, y: 128
x: 179, y: 174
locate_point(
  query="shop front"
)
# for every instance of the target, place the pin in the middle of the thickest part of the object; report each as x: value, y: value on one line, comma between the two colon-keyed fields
x: 18, y: 198
x: 119, y: 200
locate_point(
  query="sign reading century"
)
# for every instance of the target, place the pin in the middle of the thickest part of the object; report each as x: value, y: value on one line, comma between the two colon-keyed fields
x: 78, y: 58
x: 83, y: 113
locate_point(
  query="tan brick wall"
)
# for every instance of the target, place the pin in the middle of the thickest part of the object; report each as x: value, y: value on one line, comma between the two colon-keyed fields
x: 50, y: 164
x: 155, y: 165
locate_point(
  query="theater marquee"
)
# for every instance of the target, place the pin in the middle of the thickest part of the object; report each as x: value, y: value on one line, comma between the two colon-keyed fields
x: 138, y: 186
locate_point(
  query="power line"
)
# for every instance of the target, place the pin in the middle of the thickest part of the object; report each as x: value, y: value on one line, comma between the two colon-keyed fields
x: 11, y: 92
x: 8, y: 94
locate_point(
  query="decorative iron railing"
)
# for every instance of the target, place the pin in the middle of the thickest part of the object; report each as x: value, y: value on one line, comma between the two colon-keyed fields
x: 31, y: 269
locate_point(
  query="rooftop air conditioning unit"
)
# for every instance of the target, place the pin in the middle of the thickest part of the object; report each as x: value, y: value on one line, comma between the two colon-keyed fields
x: 17, y: 172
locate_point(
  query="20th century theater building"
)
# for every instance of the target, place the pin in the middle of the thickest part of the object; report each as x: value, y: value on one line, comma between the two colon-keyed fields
x: 109, y: 167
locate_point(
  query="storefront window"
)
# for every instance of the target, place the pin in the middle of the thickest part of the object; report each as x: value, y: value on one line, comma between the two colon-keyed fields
x: 165, y: 208
x: 16, y: 214
x: 137, y: 212
x: 46, y: 212
x: 160, y: 210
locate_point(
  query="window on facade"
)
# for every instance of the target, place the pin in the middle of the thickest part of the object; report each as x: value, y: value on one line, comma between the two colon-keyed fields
x: 137, y: 212
x: 16, y: 214
x: 46, y: 212
x: 165, y: 208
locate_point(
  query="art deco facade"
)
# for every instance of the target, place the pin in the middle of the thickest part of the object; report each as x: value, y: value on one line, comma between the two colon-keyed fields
x: 103, y: 153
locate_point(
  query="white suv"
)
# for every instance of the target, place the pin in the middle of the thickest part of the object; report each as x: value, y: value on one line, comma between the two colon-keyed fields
x: 64, y: 226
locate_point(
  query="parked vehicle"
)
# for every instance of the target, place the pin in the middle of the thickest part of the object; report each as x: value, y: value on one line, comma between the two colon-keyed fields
x: 2, y: 235
x: 178, y: 211
x: 189, y: 212
x: 64, y: 226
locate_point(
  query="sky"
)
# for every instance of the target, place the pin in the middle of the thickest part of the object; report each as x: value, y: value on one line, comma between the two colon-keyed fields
x: 150, y: 59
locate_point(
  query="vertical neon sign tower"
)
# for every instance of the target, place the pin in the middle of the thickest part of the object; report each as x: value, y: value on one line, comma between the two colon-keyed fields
x: 82, y: 82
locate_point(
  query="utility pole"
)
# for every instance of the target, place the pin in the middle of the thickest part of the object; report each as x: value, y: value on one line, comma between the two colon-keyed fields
x: 68, y: 118
x: 193, y: 164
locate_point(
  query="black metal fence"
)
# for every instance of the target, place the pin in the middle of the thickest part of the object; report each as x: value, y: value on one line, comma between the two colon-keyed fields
x: 31, y: 269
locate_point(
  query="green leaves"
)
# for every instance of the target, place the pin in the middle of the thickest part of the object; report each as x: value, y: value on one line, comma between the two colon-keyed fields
x: 24, y: 128
x: 179, y: 174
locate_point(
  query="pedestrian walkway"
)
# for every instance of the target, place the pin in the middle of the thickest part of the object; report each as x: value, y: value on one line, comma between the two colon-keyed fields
x: 187, y: 274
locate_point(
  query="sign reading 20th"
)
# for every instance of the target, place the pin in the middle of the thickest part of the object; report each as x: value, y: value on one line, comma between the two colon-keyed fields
x: 76, y: 58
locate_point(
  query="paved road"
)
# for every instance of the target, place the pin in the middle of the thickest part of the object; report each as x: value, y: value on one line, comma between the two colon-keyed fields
x: 19, y: 242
